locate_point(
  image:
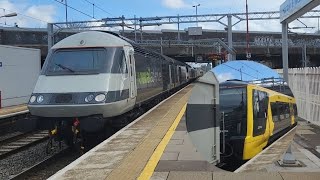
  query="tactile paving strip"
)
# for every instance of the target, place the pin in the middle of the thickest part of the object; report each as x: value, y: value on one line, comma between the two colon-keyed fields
x: 12, y: 109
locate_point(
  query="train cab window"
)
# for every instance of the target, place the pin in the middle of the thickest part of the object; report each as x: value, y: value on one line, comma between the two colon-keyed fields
x: 122, y: 64
x: 82, y: 61
x: 260, y: 108
x: 233, y: 104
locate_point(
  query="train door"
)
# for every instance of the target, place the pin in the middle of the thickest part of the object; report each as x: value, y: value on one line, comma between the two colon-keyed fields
x: 170, y: 76
x: 180, y: 75
x: 177, y: 75
x: 187, y: 73
x: 260, y: 101
x: 132, y: 75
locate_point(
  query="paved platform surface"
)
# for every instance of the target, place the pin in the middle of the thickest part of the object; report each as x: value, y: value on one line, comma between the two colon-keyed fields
x: 126, y: 154
x: 304, y: 147
x: 181, y: 161
x: 180, y: 155
x: 156, y: 146
x: 6, y: 111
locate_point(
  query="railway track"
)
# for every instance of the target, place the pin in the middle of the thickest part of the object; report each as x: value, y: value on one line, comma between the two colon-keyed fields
x: 20, y: 142
x: 8, y: 121
x: 48, y: 166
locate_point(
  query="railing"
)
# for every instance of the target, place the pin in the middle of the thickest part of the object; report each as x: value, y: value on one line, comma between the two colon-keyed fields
x: 275, y: 84
x: 305, y: 85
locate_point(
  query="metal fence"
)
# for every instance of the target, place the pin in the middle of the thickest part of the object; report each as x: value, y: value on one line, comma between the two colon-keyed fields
x: 305, y: 85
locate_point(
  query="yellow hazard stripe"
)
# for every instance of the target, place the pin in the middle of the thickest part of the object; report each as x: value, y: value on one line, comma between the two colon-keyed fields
x: 154, y: 159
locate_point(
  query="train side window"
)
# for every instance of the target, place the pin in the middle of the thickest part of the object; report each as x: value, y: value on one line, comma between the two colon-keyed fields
x: 130, y: 61
x: 260, y: 108
x: 287, y: 110
x: 281, y: 111
x: 295, y: 109
x: 275, y: 111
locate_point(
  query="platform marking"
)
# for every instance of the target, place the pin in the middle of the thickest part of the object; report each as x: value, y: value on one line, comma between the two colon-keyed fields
x: 13, y: 114
x: 154, y: 159
x: 59, y: 174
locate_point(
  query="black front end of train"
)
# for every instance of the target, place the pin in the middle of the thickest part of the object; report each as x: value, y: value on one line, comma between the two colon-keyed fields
x: 233, y: 122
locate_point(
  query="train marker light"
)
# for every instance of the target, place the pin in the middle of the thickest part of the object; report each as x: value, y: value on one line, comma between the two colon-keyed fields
x: 40, y: 99
x: 89, y: 98
x: 100, y: 97
x: 33, y: 99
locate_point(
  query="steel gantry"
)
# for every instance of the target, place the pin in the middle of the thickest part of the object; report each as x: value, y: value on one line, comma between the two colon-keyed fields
x: 161, y: 20
x: 137, y: 23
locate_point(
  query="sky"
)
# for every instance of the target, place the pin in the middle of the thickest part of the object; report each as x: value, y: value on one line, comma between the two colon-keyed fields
x: 243, y: 70
x: 36, y: 13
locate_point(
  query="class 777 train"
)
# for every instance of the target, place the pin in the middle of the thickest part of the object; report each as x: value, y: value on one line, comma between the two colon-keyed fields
x: 90, y: 77
x: 252, y: 118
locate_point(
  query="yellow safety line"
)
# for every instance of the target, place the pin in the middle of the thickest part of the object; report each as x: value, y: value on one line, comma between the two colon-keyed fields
x: 154, y: 159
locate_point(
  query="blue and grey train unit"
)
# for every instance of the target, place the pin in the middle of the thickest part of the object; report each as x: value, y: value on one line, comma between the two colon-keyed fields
x: 91, y: 78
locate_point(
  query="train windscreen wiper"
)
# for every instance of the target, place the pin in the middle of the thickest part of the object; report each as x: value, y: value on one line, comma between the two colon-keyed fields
x: 64, y: 67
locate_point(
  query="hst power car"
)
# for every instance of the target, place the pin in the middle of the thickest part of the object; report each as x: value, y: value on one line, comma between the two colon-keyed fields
x: 91, y: 77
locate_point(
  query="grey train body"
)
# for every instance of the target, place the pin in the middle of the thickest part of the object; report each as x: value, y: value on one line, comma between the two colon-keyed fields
x: 93, y: 76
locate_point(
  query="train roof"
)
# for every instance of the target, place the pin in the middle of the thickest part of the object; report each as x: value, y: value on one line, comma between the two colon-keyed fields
x: 143, y: 50
x: 111, y: 39
x: 89, y: 38
x: 235, y: 83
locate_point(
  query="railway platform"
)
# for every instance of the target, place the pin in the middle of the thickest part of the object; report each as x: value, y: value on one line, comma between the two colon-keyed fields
x: 156, y: 146
x: 13, y: 110
x: 305, y: 144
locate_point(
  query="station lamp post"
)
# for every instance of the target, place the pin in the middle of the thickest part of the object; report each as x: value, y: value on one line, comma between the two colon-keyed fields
x: 9, y: 15
x: 247, y: 34
x: 196, y: 6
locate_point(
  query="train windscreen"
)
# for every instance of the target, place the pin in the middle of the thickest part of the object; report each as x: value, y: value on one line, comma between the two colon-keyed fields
x: 233, y: 106
x: 85, y: 61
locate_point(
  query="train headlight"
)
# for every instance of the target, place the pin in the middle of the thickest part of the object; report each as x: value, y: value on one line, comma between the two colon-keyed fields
x: 33, y: 99
x: 89, y: 98
x: 40, y: 99
x: 100, y: 97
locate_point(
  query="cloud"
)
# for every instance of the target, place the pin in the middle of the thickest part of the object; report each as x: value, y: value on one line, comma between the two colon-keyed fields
x: 225, y: 76
x: 175, y: 4
x: 43, y: 12
x: 28, y: 15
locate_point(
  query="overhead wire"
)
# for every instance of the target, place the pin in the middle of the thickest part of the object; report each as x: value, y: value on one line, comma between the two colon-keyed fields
x: 251, y: 68
x: 86, y: 14
x: 75, y: 9
x: 21, y: 14
x: 100, y: 8
x: 239, y: 70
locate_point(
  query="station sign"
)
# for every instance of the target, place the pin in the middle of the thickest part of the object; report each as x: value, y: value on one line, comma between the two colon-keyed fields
x: 215, y: 57
x: 293, y: 9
